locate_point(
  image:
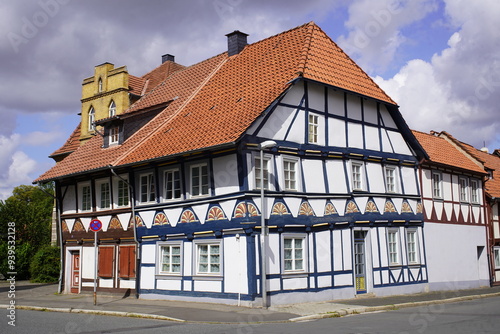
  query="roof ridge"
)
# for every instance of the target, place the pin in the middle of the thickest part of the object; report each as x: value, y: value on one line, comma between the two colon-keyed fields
x: 173, y: 116
x: 306, y: 47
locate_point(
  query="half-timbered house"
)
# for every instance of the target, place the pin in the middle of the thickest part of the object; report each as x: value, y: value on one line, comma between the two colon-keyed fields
x: 455, y: 213
x: 280, y: 156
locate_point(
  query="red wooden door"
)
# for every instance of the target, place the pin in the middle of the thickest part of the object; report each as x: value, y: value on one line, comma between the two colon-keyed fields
x: 75, y: 272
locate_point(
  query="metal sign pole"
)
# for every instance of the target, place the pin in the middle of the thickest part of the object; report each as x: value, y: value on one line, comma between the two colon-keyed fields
x: 95, y: 268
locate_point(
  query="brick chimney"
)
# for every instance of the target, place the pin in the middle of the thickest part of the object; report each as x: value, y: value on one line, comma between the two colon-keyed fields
x: 167, y: 57
x: 236, y: 41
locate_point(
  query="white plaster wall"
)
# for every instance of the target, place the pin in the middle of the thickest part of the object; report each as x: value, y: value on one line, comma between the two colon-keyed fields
x: 294, y: 283
x: 87, y: 262
x: 370, y: 111
x: 398, y: 142
x: 127, y: 284
x: 338, y: 251
x: 235, y: 269
x: 316, y: 96
x: 323, y: 251
x: 278, y: 123
x: 295, y: 94
x: 410, y: 180
x: 336, y: 103
x: 69, y: 200
x: 426, y: 183
x: 207, y: 285
x: 148, y: 254
x: 375, y: 177
x: 226, y: 174
x: 147, y: 278
x: 336, y: 132
x: 273, y: 254
x: 354, y: 107
x: 313, y: 175
x: 452, y: 257
x: 336, y: 176
x: 372, y: 141
x: 355, y: 135
x: 169, y: 284
x: 386, y: 117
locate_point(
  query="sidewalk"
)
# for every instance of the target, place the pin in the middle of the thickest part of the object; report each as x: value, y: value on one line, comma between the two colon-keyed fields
x: 44, y: 296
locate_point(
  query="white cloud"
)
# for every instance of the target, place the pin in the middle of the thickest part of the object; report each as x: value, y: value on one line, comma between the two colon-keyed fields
x: 458, y: 89
x: 15, y: 165
x: 375, y: 29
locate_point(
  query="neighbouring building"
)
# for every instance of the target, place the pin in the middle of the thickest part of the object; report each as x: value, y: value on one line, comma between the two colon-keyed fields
x: 455, y: 213
x: 174, y: 175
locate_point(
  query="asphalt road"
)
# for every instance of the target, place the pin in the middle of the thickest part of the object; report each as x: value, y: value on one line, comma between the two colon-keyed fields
x: 475, y: 316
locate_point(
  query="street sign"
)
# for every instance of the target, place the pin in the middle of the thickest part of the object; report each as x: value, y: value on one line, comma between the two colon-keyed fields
x: 95, y: 225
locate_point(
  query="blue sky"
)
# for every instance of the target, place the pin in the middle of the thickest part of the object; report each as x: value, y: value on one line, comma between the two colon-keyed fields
x: 438, y: 59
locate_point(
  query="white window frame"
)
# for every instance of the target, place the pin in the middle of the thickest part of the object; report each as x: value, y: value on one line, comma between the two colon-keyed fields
x: 267, y: 174
x: 293, y: 254
x: 170, y: 245
x: 200, y: 183
x: 99, y: 194
x: 166, y: 188
x: 114, y: 135
x: 112, y: 108
x: 463, y: 188
x: 437, y: 185
x: 197, y: 257
x: 151, y: 187
x: 496, y: 257
x: 357, y: 179
x: 312, y: 128
x: 84, y: 190
x: 91, y: 119
x: 474, y: 191
x: 412, y: 246
x: 391, y: 181
x: 117, y: 181
x: 393, y: 247
x: 290, y: 177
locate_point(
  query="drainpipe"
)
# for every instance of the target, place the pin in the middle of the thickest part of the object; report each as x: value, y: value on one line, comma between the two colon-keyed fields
x: 132, y: 206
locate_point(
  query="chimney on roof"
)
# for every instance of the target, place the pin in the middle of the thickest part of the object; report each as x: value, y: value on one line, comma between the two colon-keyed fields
x: 236, y: 41
x: 167, y: 57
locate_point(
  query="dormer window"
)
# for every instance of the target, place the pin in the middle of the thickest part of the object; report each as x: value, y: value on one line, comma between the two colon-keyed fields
x: 112, y: 109
x: 114, y: 135
x: 91, y: 119
x: 99, y: 86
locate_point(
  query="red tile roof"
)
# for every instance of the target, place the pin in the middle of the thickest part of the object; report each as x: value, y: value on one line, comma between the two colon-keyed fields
x: 136, y: 84
x: 443, y: 152
x: 70, y: 145
x: 489, y: 161
x: 214, y: 102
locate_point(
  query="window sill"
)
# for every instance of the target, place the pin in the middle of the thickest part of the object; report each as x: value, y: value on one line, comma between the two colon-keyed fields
x: 294, y: 274
x: 169, y: 276
x: 208, y: 277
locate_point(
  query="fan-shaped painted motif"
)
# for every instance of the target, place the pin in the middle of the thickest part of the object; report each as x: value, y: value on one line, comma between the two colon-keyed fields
x: 78, y: 226
x: 351, y: 207
x: 160, y: 219
x: 371, y: 207
x: 420, y: 208
x: 305, y: 209
x: 188, y: 217
x: 240, y: 211
x: 65, y: 226
x: 114, y: 224
x: 252, y: 210
x: 389, y: 207
x: 279, y: 209
x: 216, y: 213
x: 330, y: 209
x: 138, y: 221
x: 406, y: 208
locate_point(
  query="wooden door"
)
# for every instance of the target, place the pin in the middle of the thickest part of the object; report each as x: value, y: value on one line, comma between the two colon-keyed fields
x: 75, y: 272
x: 360, y: 261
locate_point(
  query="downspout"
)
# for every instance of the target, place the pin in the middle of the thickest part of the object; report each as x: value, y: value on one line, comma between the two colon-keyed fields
x: 132, y: 206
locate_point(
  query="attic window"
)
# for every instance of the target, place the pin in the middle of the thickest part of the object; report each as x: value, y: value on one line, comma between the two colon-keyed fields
x: 91, y: 119
x: 114, y: 135
x: 112, y: 109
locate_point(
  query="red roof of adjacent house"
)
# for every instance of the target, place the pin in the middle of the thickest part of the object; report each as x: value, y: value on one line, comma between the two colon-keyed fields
x: 70, y: 145
x: 489, y: 161
x: 214, y: 102
x: 136, y: 84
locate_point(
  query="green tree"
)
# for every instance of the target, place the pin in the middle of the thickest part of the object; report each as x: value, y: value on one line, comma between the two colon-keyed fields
x: 30, y: 210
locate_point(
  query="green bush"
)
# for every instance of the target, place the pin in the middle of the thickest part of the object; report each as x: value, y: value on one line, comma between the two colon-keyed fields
x: 45, y: 265
x: 23, y: 255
